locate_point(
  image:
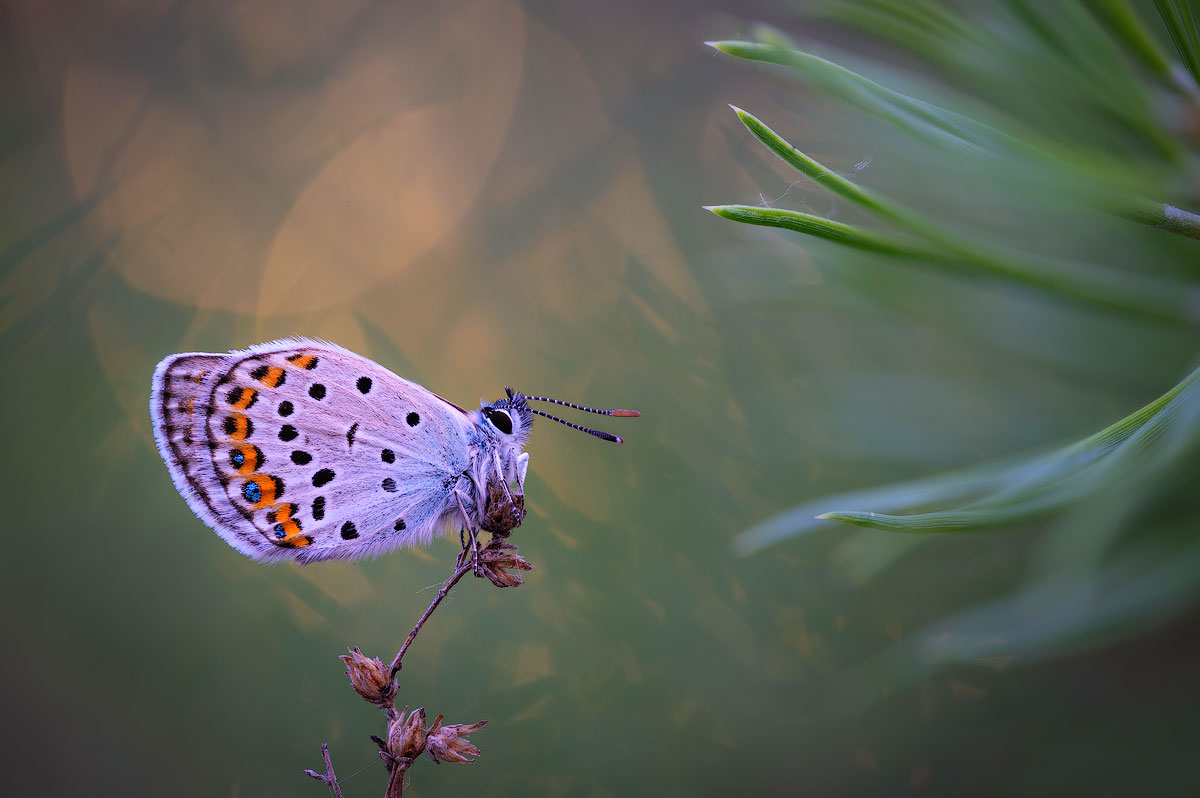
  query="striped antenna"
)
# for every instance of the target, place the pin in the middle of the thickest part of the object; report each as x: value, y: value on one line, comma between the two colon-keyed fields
x: 620, y: 413
x: 607, y: 436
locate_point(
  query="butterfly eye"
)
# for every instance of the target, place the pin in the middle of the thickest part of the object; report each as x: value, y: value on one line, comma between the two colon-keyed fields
x: 501, y: 420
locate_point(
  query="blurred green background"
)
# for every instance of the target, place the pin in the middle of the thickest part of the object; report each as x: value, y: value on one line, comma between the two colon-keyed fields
x: 504, y: 192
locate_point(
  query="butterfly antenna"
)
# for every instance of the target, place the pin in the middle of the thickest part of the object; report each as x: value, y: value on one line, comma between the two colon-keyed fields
x: 620, y: 413
x: 598, y: 433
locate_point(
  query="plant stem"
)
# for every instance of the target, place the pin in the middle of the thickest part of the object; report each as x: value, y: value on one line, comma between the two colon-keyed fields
x: 459, y: 573
x: 395, y: 785
x: 329, y: 777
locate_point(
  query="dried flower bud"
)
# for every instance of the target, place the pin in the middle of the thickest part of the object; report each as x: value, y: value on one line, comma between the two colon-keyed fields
x: 498, y: 556
x: 406, y: 736
x: 369, y: 677
x: 502, y: 515
x: 450, y: 743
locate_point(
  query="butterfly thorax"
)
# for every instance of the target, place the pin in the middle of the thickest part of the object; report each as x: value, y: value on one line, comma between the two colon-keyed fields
x: 499, y: 463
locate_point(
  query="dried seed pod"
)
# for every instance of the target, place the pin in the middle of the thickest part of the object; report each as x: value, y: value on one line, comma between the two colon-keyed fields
x: 406, y: 736
x: 496, y: 558
x: 369, y: 677
x: 501, y: 515
x: 450, y: 743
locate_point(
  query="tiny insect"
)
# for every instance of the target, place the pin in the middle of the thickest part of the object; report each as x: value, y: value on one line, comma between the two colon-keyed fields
x: 301, y: 449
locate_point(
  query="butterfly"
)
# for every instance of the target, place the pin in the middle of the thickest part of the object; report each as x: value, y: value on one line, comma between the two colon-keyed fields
x: 301, y: 449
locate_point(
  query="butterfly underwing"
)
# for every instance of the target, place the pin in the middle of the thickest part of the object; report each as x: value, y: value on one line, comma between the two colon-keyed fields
x: 301, y: 449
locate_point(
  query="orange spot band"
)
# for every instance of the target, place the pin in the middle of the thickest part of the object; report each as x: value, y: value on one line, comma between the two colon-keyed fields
x: 240, y: 427
x: 295, y: 541
x: 245, y: 399
x: 273, y: 377
x: 251, y: 458
x: 302, y: 361
x: 266, y: 488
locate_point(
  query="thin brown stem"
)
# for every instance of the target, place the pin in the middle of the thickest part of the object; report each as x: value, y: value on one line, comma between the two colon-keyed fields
x: 395, y: 785
x: 411, y: 739
x: 329, y: 777
x: 459, y: 573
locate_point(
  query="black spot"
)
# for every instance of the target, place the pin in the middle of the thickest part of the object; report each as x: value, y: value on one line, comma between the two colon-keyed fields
x: 288, y: 433
x: 323, y: 477
x: 285, y: 409
x: 364, y: 384
x: 388, y: 456
x: 350, y: 434
x: 413, y: 419
x: 348, y: 531
x: 234, y: 396
x: 278, y: 487
x: 400, y: 525
x: 389, y: 485
x: 259, y: 372
x: 187, y: 439
x: 318, y: 508
x: 301, y: 458
x: 317, y: 391
x: 272, y: 516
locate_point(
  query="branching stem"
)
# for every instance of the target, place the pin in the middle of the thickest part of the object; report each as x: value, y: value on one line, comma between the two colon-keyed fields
x: 329, y: 777
x: 459, y: 573
x: 399, y: 750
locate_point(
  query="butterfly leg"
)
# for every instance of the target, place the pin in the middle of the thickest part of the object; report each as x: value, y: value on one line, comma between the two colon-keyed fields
x: 473, y: 547
x: 467, y: 550
x: 503, y: 481
x: 522, y: 467
x: 464, y: 555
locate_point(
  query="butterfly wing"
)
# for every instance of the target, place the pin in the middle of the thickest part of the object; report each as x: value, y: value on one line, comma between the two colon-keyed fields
x: 299, y: 448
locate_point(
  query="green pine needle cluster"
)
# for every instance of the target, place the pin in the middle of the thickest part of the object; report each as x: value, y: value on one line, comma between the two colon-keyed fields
x: 1108, y: 127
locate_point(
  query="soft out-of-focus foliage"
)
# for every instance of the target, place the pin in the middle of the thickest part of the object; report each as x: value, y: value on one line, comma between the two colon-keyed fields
x: 1043, y: 79
x: 1000, y: 494
x: 940, y: 246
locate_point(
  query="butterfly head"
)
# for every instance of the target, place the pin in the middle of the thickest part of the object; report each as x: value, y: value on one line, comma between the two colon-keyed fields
x: 509, y: 419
